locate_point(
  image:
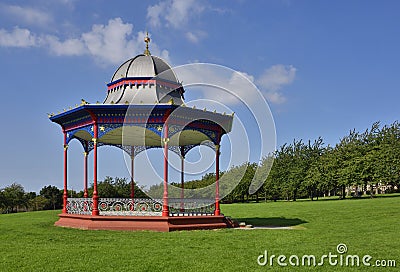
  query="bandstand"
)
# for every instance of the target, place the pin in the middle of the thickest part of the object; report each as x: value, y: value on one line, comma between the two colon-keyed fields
x: 144, y: 108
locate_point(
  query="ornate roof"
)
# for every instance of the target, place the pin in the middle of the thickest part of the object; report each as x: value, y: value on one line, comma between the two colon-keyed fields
x: 143, y: 125
x: 144, y: 79
x: 145, y: 66
x: 144, y: 94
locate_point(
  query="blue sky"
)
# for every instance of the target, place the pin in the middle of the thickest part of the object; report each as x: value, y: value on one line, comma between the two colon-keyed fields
x: 325, y: 67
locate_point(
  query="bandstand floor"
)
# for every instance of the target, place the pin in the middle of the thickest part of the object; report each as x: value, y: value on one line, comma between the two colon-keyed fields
x: 135, y: 223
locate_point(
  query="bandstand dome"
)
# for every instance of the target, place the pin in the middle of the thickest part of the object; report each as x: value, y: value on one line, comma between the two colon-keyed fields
x: 144, y: 79
x: 145, y: 66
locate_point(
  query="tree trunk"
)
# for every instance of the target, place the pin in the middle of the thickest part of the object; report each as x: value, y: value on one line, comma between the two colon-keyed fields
x: 343, y: 191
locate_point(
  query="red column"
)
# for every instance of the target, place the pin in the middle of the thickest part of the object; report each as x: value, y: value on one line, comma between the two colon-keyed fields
x: 85, y: 185
x: 165, y: 209
x: 132, y: 169
x: 182, y: 179
x: 95, y: 210
x: 217, y: 209
x: 65, y: 193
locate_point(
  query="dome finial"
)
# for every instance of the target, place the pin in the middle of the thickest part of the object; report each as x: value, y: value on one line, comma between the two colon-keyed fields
x: 147, y: 40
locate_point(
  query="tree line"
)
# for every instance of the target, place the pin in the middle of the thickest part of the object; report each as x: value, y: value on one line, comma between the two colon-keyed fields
x: 365, y: 162
x: 360, y: 163
x: 13, y: 198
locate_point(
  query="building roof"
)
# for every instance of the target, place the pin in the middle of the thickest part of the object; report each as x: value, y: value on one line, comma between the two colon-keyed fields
x: 141, y: 125
x: 144, y: 79
x: 145, y: 66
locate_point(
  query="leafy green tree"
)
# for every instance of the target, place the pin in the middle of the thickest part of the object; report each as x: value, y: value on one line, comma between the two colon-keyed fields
x: 53, y: 195
x: 272, y: 187
x: 241, y: 190
x: 38, y: 203
x: 389, y: 154
x: 14, y: 197
x: 2, y: 201
x: 328, y: 167
x: 260, y: 176
x: 312, y: 180
x: 116, y: 187
x: 347, y: 155
x: 106, y: 188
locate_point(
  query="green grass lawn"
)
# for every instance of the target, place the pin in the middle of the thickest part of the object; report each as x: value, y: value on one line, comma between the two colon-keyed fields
x: 30, y: 242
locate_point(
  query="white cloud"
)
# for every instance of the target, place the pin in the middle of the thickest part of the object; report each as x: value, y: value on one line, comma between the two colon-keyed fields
x: 181, y: 10
x: 154, y: 13
x: 239, y: 74
x: 275, y: 97
x: 179, y: 15
x: 19, y: 37
x: 175, y: 13
x: 195, y: 36
x: 277, y: 76
x: 241, y: 88
x: 240, y: 85
x: 70, y: 47
x: 68, y: 3
x: 28, y: 15
x: 234, y: 87
x: 274, y: 79
x: 107, y: 44
x: 192, y: 37
x: 111, y: 43
x: 270, y: 82
x: 219, y: 84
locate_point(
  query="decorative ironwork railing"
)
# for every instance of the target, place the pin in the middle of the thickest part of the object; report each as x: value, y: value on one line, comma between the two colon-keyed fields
x: 130, y: 207
x: 79, y: 205
x: 141, y: 206
x: 189, y: 206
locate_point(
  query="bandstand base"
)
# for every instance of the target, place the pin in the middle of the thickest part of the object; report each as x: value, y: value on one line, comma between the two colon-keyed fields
x: 134, y: 223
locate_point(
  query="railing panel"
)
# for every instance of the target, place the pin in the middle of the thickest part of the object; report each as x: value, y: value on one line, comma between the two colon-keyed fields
x: 130, y: 207
x: 141, y: 206
x: 189, y: 206
x: 79, y: 205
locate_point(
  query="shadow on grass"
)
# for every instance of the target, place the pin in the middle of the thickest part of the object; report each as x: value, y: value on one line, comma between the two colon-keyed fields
x: 272, y: 221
